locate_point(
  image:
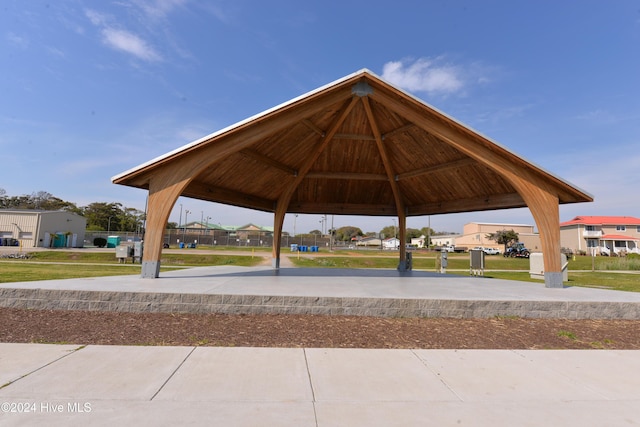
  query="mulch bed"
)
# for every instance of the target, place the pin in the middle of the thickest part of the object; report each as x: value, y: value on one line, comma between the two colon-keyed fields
x: 279, y: 330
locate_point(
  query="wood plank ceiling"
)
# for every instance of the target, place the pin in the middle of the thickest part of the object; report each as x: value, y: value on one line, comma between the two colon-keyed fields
x: 358, y: 146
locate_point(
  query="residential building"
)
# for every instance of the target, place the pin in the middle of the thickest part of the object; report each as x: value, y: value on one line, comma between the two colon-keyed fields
x: 46, y: 229
x: 367, y: 241
x: 392, y: 243
x: 444, y: 240
x: 601, y: 235
x: 419, y: 242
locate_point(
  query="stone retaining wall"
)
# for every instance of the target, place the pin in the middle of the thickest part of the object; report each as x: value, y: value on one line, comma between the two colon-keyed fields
x: 43, y: 299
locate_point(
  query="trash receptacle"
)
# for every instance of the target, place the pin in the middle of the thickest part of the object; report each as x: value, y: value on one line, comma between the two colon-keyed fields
x: 181, y: 245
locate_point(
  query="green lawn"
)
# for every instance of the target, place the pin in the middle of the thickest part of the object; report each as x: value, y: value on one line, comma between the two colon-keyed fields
x: 27, y: 272
x: 188, y: 258
x: 47, y: 265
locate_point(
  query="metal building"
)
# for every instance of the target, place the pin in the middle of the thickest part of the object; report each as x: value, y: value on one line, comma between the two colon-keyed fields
x: 45, y: 229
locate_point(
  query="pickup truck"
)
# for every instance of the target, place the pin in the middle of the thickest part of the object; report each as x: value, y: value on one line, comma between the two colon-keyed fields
x: 488, y: 251
x: 449, y: 248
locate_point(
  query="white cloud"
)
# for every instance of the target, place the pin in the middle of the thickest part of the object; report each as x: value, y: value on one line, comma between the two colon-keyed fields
x: 129, y: 43
x: 122, y: 40
x: 98, y: 19
x: 17, y: 41
x: 159, y: 9
x: 425, y: 75
x: 55, y: 52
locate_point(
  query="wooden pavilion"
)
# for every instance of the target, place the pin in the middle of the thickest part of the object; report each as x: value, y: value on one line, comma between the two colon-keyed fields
x: 357, y: 146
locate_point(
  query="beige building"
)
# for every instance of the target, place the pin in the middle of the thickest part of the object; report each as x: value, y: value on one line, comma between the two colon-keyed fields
x: 475, y: 234
x: 47, y: 229
x: 601, y: 235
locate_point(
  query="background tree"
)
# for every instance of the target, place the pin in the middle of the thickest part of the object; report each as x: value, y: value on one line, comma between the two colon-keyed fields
x: 40, y: 200
x: 428, y: 233
x: 389, y: 231
x: 103, y: 216
x: 348, y: 232
x: 413, y: 233
x: 504, y: 237
x: 131, y: 219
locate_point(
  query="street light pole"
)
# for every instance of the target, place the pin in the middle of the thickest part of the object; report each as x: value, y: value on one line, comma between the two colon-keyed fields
x: 395, y: 231
x: 294, y: 224
x: 208, y: 218
x: 184, y: 228
x: 201, y: 227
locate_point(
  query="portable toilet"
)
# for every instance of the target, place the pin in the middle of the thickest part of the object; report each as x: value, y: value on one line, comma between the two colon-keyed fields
x: 113, y: 241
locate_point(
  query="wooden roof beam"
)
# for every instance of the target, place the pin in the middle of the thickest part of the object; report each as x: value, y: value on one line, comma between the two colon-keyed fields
x: 285, y: 197
x: 347, y: 176
x: 343, y: 209
x: 269, y: 161
x: 354, y: 136
x: 203, y: 191
x: 383, y: 154
x: 313, y: 127
x: 398, y: 130
x: 497, y: 201
x: 479, y: 148
x: 437, y: 168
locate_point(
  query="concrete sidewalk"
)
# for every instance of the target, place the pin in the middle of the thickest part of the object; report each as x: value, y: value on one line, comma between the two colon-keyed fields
x: 61, y: 385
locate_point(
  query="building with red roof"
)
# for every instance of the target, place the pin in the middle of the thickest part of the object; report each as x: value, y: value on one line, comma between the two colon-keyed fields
x: 601, y: 235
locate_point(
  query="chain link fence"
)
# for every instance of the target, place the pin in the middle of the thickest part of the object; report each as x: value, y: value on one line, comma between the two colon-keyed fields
x: 213, y: 238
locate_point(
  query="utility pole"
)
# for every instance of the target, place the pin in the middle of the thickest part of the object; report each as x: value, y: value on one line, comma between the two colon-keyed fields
x: 331, y: 236
x: 184, y: 228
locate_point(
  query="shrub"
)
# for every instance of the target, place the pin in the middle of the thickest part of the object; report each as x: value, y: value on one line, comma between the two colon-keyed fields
x: 100, y: 242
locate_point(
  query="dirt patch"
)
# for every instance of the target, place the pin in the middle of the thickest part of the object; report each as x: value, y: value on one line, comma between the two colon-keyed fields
x: 93, y: 327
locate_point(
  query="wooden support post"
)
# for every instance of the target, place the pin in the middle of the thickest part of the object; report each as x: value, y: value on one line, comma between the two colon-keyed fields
x: 278, y: 222
x: 162, y: 196
x: 545, y: 210
x: 402, y: 225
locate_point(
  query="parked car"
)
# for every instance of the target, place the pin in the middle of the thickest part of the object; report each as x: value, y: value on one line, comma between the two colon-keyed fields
x: 488, y: 251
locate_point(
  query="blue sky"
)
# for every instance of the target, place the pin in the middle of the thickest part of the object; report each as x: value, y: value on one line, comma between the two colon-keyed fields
x: 89, y: 89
